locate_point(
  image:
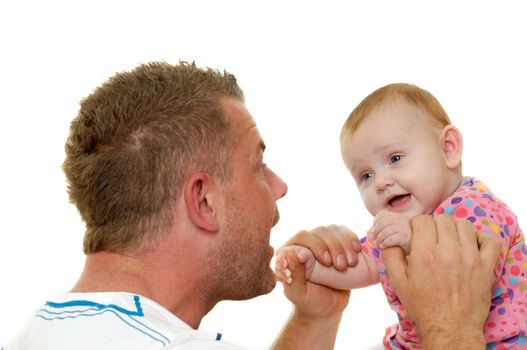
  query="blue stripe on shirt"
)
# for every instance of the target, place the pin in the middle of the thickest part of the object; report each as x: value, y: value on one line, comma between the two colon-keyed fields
x: 139, y: 311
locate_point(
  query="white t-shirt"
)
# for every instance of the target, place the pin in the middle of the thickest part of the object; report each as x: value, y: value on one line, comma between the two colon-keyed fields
x: 110, y: 321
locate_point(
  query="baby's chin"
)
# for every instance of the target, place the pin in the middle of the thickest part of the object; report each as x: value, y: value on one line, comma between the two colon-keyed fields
x: 410, y: 213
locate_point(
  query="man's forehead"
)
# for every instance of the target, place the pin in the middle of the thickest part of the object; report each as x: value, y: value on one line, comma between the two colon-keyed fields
x: 236, y: 113
x: 242, y: 121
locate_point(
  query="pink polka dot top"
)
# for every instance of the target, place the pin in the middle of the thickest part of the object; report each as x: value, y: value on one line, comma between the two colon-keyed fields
x: 506, y: 324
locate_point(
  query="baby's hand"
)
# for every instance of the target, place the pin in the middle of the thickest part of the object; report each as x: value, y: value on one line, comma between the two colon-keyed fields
x: 304, y: 255
x: 391, y: 229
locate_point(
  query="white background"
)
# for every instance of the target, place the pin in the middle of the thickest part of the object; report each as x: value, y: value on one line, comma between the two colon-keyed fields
x: 304, y: 66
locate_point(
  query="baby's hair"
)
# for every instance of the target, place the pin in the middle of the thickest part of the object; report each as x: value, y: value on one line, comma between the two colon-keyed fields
x: 410, y: 93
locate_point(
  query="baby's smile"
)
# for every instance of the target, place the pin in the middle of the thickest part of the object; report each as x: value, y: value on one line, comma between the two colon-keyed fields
x: 399, y: 203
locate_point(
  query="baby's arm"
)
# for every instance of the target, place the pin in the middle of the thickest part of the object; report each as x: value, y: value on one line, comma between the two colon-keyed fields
x: 364, y: 274
x: 391, y: 229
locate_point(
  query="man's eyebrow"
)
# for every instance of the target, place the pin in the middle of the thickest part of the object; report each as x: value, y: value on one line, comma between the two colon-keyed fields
x: 262, y: 146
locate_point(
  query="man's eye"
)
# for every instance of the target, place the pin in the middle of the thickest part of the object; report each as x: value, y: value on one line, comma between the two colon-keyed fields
x: 396, y: 158
x: 366, y: 176
x: 262, y: 168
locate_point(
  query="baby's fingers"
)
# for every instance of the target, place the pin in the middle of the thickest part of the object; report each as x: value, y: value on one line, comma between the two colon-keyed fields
x: 396, y: 240
x: 281, y: 261
x: 372, y: 234
x: 283, y: 276
x: 281, y: 268
x: 390, y: 241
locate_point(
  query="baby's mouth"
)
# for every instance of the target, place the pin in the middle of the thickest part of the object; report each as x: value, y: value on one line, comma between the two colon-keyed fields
x: 399, y: 201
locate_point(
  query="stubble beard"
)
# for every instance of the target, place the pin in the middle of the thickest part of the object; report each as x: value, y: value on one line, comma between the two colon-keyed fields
x: 242, y: 263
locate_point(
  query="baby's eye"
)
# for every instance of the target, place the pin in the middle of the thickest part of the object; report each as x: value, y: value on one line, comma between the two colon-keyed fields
x: 366, y: 176
x: 396, y: 158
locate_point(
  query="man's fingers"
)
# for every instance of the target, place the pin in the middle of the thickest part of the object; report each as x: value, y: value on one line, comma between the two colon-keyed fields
x: 396, y: 265
x: 424, y: 236
x: 351, y: 245
x: 331, y: 245
x: 330, y: 236
x: 447, y: 234
x: 489, y: 249
x: 467, y: 236
x: 313, y: 243
x: 298, y: 283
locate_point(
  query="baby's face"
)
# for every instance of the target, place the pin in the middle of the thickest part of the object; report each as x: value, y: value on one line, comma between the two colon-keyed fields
x: 396, y: 159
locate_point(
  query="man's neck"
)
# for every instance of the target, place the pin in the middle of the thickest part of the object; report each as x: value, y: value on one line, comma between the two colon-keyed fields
x: 172, y: 284
x: 112, y: 272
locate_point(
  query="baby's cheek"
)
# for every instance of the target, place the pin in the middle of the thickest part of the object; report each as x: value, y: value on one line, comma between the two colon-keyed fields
x: 373, y: 206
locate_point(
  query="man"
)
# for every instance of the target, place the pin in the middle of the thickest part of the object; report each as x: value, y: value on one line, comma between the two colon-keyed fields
x: 165, y: 165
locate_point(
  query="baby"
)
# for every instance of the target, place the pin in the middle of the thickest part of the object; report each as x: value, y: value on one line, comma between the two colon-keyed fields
x: 405, y: 157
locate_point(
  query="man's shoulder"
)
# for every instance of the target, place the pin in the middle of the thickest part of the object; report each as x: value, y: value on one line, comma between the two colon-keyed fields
x: 110, y: 321
x: 202, y: 344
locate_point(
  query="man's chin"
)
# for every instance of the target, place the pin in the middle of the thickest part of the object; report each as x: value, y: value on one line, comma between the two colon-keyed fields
x: 270, y: 284
x: 264, y: 285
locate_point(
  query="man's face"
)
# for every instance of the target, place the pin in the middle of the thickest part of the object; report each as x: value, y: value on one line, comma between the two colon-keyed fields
x: 250, y: 211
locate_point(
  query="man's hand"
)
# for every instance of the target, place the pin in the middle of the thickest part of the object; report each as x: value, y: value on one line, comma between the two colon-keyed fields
x: 331, y: 245
x: 318, y: 309
x: 312, y: 300
x: 391, y: 229
x: 317, y: 313
x: 445, y: 283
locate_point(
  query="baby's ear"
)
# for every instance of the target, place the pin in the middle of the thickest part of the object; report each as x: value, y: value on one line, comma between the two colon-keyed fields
x: 451, y: 143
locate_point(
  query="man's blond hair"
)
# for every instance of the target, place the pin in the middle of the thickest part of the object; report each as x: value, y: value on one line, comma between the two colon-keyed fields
x: 134, y: 142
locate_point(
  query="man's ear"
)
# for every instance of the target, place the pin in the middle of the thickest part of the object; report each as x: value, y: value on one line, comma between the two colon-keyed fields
x: 451, y: 143
x: 201, y: 196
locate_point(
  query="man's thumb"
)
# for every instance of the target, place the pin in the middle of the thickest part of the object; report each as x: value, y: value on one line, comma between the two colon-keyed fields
x: 395, y: 262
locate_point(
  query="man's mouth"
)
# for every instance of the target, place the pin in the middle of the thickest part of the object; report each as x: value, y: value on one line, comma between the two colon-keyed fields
x: 276, y: 218
x: 271, y: 254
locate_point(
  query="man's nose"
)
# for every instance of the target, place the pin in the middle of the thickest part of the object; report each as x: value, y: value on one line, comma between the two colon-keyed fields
x: 278, y: 186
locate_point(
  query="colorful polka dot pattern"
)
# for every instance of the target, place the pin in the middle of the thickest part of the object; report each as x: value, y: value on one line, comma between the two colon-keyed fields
x: 506, y: 324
